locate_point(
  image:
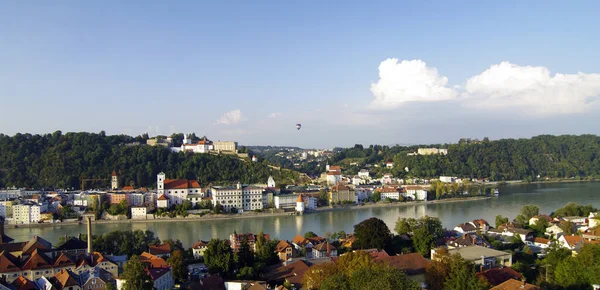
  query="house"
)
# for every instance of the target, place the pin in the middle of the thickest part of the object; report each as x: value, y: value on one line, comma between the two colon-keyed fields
x: 509, y: 230
x: 480, y: 256
x: 66, y: 279
x: 390, y: 192
x: 138, y: 212
x: 447, y: 179
x: 356, y: 180
x: 162, y: 201
x: 593, y: 220
x: 284, y: 250
x: 415, y: 192
x: 481, y: 225
x: 554, y: 231
x: 389, y: 164
x: 334, y: 174
x: 22, y: 283
x: 245, y: 285
x: 198, y: 249
x: 300, y: 243
x: 467, y: 240
x: 151, y: 261
x: 240, y: 197
x: 363, y: 173
x: 465, y: 228
x: 535, y: 219
x: 73, y: 247
x: 541, y: 243
x: 413, y: 264
x: 323, y: 250
x: 162, y: 250
x: 176, y: 190
x: 162, y: 278
x: 497, y: 276
x: 513, y: 284
x: 342, y: 193
x: 235, y: 240
x: 292, y: 273
x: 387, y: 178
x: 573, y: 243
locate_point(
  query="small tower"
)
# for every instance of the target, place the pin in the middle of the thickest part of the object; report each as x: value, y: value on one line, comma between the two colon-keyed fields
x: 186, y: 140
x: 114, y: 181
x: 254, y: 159
x: 300, y: 204
x: 160, y: 183
x: 271, y: 182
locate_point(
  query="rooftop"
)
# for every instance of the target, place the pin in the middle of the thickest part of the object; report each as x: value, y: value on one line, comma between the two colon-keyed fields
x: 473, y: 253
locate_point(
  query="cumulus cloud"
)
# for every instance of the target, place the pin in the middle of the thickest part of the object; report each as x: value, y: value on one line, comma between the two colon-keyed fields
x: 408, y: 81
x: 502, y: 86
x: 231, y: 118
x: 507, y: 85
x: 275, y: 115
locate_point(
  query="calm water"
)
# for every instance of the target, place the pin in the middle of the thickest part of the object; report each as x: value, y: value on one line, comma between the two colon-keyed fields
x: 548, y: 197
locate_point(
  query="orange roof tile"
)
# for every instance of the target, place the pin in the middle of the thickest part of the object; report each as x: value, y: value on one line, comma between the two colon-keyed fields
x: 299, y: 198
x: 498, y: 276
x: 62, y: 261
x: 300, y: 240
x: 160, y: 249
x: 413, y: 263
x: 128, y: 188
x: 8, y: 262
x: 513, y: 284
x: 541, y: 241
x: 281, y: 246
x: 181, y: 184
x: 66, y: 278
x: 573, y: 240
x: 154, y: 261
x: 162, y: 197
x: 37, y: 261
x: 22, y: 283
x: 199, y: 244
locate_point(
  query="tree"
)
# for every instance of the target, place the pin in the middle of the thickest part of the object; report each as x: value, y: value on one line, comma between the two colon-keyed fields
x: 448, y: 272
x: 425, y: 232
x: 135, y: 275
x: 309, y: 234
x: 540, y: 226
x: 372, y: 233
x: 244, y: 256
x: 382, y: 277
x: 568, y: 228
x: 176, y: 263
x: 527, y: 212
x: 500, y: 220
x: 219, y: 257
x: 376, y: 196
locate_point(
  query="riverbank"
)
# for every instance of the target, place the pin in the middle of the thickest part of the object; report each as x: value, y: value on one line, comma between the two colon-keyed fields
x: 212, y: 217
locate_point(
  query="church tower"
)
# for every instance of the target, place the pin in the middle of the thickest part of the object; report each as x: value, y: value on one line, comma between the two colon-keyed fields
x: 271, y: 182
x: 114, y: 181
x: 160, y: 183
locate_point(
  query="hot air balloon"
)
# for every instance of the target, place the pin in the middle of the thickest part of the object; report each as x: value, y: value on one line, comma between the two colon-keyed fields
x: 298, y: 126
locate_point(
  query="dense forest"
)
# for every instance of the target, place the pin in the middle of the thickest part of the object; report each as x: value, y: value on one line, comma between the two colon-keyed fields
x: 60, y: 160
x: 566, y: 156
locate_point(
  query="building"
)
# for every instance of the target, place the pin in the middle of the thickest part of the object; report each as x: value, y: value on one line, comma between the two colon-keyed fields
x: 162, y: 201
x: 6, y: 208
x: 300, y: 204
x: 138, y: 212
x: 387, y: 178
x: 284, y: 250
x: 235, y: 239
x: 271, y: 182
x: 390, y: 192
x: 227, y: 146
x: 573, y: 243
x: 415, y: 192
x: 240, y: 197
x: 363, y: 173
x: 535, y: 219
x: 593, y: 220
x: 96, y: 278
x: 160, y: 142
x: 513, y: 284
x: 161, y: 251
x: 389, y: 164
x: 432, y: 151
x: 288, y: 201
x: 356, y: 180
x: 480, y: 256
x: 324, y: 250
x: 176, y: 190
x: 162, y: 278
x: 466, y: 228
x: 334, y: 174
x: 468, y: 240
x: 117, y: 198
x: 447, y: 179
x: 497, y: 276
x: 342, y: 193
x: 114, y: 181
x: 198, y: 249
x: 26, y: 213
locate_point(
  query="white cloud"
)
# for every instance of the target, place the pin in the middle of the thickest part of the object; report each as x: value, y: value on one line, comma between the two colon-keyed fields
x: 408, y: 81
x: 275, y: 115
x: 534, y: 89
x: 231, y: 118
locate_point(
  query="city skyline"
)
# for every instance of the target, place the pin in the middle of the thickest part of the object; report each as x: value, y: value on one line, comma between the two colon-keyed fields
x: 382, y: 73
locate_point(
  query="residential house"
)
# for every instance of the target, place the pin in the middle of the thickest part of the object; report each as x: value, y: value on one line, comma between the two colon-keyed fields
x: 497, y: 276
x: 136, y: 199
x: 593, y: 219
x: 591, y: 235
x: 235, y: 239
x: 42, y: 283
x: 198, y: 249
x: 138, y: 212
x: 387, y: 178
x: 482, y: 225
x: 415, y: 192
x: 26, y: 213
x: 413, y: 264
x: 323, y: 250
x: 509, y: 231
x: 97, y: 278
x: 6, y: 210
x: 573, y: 243
x: 162, y: 201
x: 480, y: 256
x: 292, y: 273
x: 162, y: 250
x: 390, y: 192
x: 117, y: 198
x: 356, y: 180
x: 162, y: 278
x: 467, y: 240
x: 152, y: 261
x: 513, y: 284
x: 300, y: 243
x: 554, y: 231
x: 363, y: 173
x: 176, y: 190
x: 66, y: 279
x: 541, y: 243
x: 465, y: 228
x: 22, y: 283
x: 334, y: 175
x: 72, y: 247
x: 342, y: 193
x: 389, y: 164
x: 284, y: 250
x: 535, y: 219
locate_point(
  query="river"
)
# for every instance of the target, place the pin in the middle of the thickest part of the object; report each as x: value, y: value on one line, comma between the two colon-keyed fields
x: 548, y: 197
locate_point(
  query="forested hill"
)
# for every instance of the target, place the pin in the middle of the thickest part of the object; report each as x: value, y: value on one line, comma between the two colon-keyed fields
x: 61, y: 160
x: 563, y: 156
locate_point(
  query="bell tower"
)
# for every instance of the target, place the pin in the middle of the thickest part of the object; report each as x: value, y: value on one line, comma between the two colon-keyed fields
x: 114, y: 181
x: 160, y: 183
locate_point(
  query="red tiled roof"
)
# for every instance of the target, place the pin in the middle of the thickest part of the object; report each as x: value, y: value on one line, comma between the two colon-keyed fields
x: 37, y: 261
x: 63, y: 261
x: 281, y: 246
x: 160, y: 249
x: 573, y: 240
x: 300, y: 240
x: 114, y: 173
x: 66, y: 278
x: 513, y: 284
x: 156, y: 273
x: 154, y: 261
x: 541, y: 241
x: 22, y: 283
x: 162, y: 197
x: 292, y: 272
x: 324, y: 247
x: 413, y: 263
x: 199, y: 244
x: 128, y: 188
x: 181, y: 184
x: 498, y: 276
x: 8, y: 262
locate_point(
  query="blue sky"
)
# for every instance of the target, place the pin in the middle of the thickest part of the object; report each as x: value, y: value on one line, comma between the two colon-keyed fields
x: 350, y: 71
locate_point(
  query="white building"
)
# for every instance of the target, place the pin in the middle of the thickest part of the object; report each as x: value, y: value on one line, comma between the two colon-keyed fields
x: 356, y: 180
x: 176, y: 190
x: 593, y: 220
x: 300, y: 204
x: 114, y: 181
x: 26, y: 213
x: 162, y: 201
x: 334, y: 174
x: 390, y: 192
x: 432, y: 151
x: 240, y: 197
x: 447, y: 179
x: 138, y: 212
x: 6, y: 210
x: 389, y: 164
x: 228, y: 146
x: 198, y: 249
x: 290, y: 201
x: 271, y: 182
x: 415, y: 192
x: 363, y: 173
x: 387, y: 178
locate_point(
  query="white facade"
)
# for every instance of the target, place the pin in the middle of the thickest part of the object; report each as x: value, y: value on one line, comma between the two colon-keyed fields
x: 225, y: 146
x: 333, y: 179
x: 391, y: 195
x: 387, y: 179
x: 175, y: 195
x: 114, y: 181
x: 356, y: 180
x: 162, y: 203
x: 239, y: 197
x: 6, y: 209
x: 415, y: 193
x: 270, y: 182
x: 363, y: 173
x: 447, y: 179
x: 594, y: 220
x: 165, y: 282
x: 160, y: 183
x: 26, y: 214
x: 138, y: 212
x: 290, y: 201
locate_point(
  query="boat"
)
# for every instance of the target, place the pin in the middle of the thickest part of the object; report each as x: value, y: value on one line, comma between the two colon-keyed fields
x: 496, y: 192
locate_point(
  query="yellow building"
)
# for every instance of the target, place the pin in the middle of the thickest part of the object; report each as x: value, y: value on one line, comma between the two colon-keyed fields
x: 341, y: 193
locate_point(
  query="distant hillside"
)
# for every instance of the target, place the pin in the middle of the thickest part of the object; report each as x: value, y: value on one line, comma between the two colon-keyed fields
x: 61, y: 160
x: 507, y: 159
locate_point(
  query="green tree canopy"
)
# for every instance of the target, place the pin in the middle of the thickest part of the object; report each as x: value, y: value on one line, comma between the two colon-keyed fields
x: 135, y: 275
x: 219, y: 257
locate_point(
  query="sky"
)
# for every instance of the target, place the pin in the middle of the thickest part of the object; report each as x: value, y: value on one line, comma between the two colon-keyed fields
x: 351, y: 72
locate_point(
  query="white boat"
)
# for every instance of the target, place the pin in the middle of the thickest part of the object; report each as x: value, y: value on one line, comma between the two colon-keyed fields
x: 496, y: 192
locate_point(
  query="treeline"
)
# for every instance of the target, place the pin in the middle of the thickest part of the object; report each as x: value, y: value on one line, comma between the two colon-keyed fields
x: 60, y: 160
x: 566, y: 156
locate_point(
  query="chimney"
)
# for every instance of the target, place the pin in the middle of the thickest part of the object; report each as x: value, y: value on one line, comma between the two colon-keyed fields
x: 89, y: 234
